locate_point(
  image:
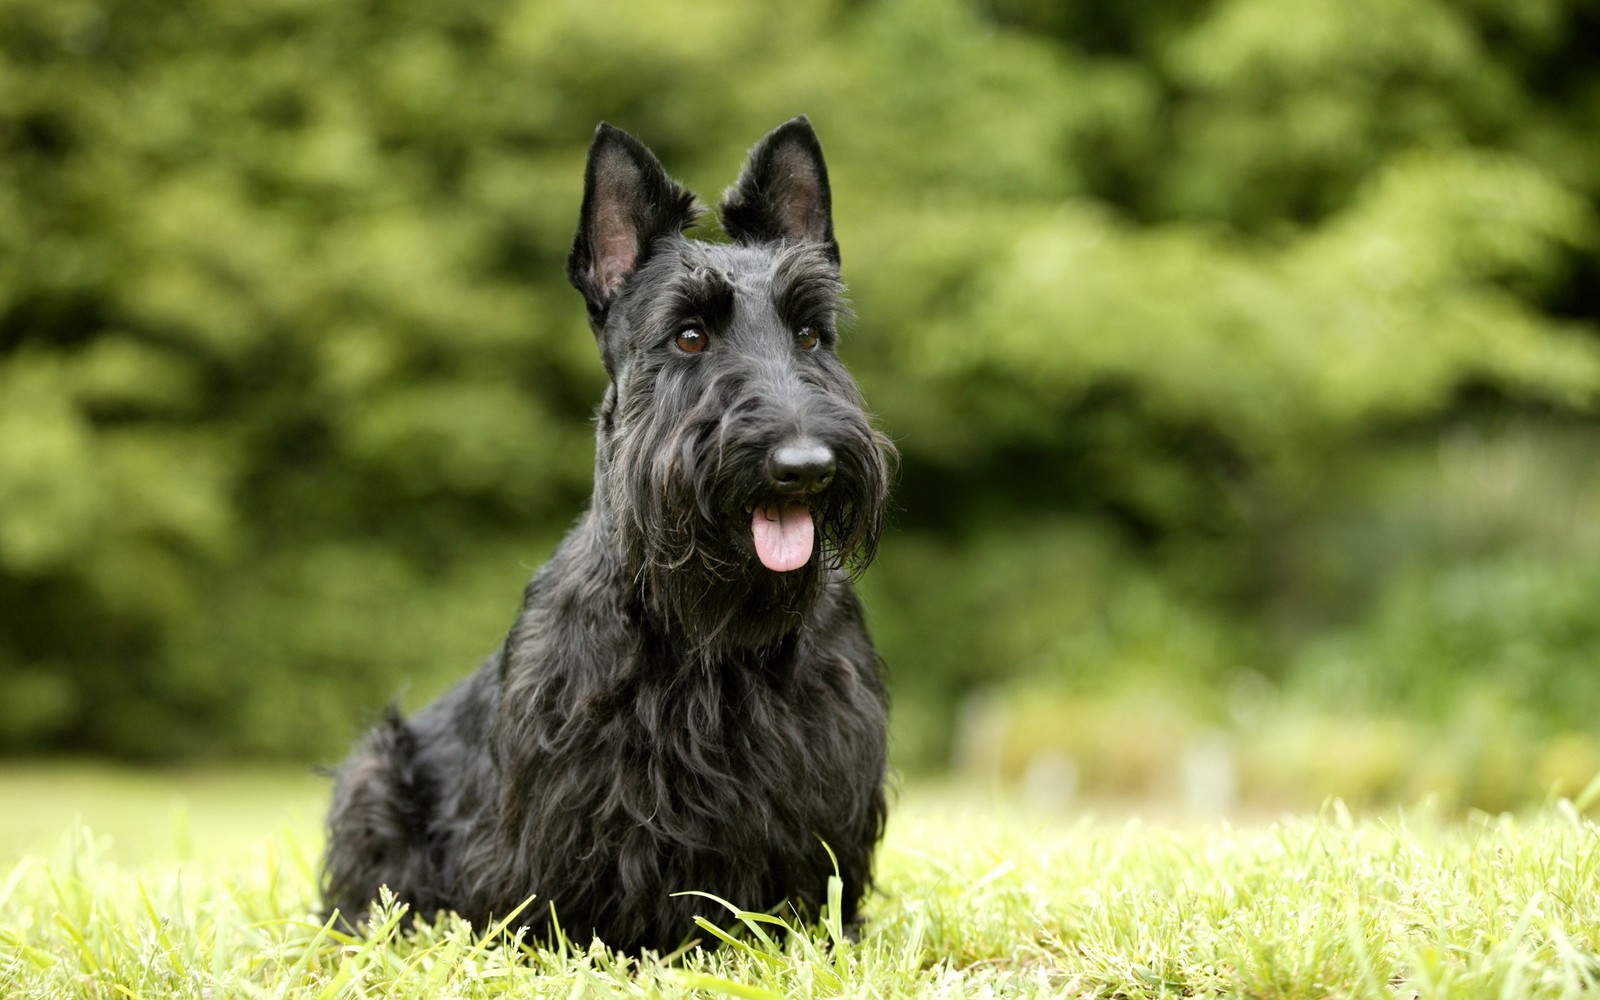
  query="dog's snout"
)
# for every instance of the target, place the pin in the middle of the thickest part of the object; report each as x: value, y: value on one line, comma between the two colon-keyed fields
x: 804, y: 466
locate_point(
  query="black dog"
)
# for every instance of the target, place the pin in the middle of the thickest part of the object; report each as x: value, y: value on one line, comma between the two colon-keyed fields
x: 688, y: 700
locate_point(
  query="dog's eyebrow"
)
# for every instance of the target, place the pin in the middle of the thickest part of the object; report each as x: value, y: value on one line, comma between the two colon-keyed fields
x: 805, y: 285
x: 702, y: 292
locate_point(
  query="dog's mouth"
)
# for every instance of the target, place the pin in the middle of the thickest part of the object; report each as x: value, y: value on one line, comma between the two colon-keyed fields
x: 783, y: 533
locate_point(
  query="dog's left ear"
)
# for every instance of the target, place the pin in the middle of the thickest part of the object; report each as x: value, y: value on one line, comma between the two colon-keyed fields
x: 783, y: 193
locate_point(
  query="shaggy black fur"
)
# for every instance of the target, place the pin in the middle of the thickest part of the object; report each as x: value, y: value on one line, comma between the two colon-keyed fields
x: 667, y: 713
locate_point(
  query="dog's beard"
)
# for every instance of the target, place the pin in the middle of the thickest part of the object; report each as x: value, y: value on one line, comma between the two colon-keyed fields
x: 686, y: 499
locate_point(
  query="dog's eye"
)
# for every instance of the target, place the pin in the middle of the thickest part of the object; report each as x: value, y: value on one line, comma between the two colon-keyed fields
x: 806, y: 338
x: 691, y: 340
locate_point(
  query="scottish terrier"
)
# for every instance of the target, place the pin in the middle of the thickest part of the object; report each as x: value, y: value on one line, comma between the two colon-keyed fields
x: 688, y: 699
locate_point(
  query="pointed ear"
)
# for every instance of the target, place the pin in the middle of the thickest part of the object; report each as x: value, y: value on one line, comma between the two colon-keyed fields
x: 628, y: 203
x: 783, y: 192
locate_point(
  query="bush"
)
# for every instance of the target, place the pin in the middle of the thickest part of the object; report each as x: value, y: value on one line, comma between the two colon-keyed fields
x: 290, y: 381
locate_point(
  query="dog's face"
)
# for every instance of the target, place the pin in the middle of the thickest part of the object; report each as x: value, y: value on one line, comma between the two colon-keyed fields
x: 735, y: 453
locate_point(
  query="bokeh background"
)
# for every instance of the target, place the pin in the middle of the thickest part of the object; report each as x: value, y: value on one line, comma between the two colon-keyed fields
x: 1244, y: 356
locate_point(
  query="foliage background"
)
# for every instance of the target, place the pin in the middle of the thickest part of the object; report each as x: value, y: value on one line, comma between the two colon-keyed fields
x: 1242, y: 353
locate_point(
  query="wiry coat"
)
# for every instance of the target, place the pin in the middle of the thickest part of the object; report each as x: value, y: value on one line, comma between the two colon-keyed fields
x: 666, y: 714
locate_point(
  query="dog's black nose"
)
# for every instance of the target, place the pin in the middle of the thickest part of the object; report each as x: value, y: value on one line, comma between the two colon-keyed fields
x: 804, y: 466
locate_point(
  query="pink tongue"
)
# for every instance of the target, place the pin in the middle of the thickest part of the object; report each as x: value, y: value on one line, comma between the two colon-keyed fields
x: 783, y: 535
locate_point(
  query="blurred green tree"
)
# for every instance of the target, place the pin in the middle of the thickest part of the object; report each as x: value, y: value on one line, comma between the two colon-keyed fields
x: 1175, y: 310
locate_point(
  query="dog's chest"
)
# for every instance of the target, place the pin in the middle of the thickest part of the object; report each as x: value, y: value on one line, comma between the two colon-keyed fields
x: 735, y: 721
x: 737, y: 744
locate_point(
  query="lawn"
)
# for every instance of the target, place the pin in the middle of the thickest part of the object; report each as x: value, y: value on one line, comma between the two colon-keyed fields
x: 203, y: 886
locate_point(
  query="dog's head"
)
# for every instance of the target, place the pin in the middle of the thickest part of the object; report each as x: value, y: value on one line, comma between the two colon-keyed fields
x: 737, y: 465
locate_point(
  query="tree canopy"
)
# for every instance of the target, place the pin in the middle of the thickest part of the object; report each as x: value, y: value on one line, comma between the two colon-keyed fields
x: 1218, y: 336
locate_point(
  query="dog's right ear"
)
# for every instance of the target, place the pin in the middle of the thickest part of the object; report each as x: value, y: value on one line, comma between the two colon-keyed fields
x: 628, y: 203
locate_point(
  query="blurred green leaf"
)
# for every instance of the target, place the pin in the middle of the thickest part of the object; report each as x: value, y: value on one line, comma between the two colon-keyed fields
x: 1180, y: 314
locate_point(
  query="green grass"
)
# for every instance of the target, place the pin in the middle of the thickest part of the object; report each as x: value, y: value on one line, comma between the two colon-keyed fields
x: 977, y: 900
x: 156, y: 816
